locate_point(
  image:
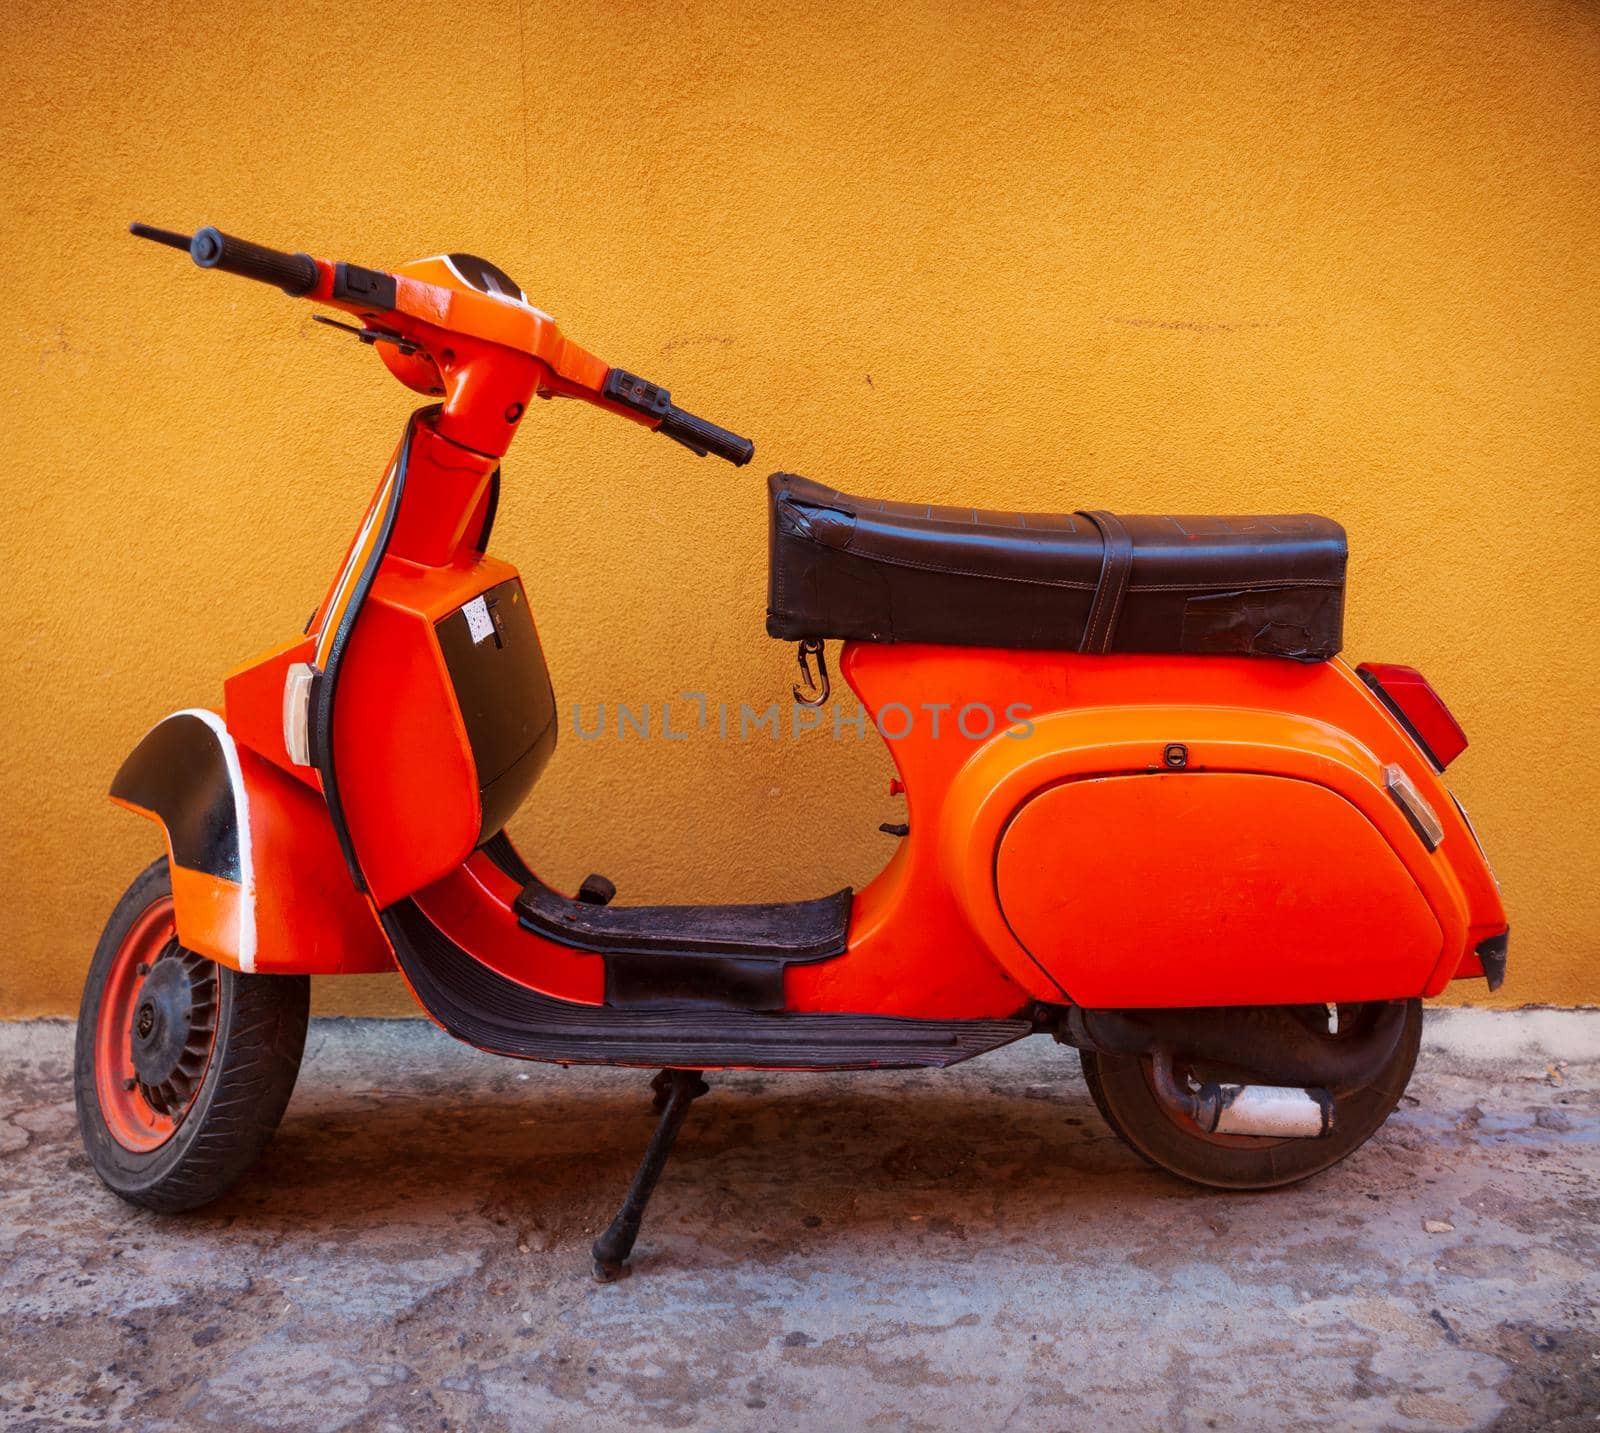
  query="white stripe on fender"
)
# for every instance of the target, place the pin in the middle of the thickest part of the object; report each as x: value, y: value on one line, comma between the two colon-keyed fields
x: 241, y: 808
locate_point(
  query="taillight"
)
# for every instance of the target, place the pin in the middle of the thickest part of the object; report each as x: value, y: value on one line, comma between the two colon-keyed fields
x: 1417, y: 707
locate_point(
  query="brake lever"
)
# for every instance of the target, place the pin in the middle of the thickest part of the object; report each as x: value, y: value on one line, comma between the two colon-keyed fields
x: 688, y: 443
x: 370, y: 335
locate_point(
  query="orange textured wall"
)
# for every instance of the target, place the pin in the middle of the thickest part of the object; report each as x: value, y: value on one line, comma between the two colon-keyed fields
x: 1147, y: 255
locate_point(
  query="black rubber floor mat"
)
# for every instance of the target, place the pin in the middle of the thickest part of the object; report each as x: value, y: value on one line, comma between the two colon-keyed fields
x: 485, y: 1009
x: 786, y: 931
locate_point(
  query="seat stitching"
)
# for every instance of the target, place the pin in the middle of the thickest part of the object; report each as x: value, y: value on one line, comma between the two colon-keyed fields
x: 1252, y: 584
x: 959, y: 571
x: 1219, y: 586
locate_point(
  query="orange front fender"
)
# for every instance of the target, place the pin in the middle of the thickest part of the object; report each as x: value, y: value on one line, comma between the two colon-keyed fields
x: 258, y: 882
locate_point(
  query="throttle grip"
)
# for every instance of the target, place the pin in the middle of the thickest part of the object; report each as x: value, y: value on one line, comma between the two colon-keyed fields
x: 697, y: 435
x: 295, y: 274
x: 702, y: 437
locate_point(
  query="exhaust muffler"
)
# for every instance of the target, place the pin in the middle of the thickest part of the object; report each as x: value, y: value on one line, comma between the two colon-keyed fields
x: 1270, y: 1111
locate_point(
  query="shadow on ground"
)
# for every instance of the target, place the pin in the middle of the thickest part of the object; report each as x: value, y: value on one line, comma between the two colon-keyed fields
x: 925, y: 1250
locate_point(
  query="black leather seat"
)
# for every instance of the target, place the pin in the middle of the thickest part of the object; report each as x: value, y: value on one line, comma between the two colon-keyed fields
x: 878, y: 571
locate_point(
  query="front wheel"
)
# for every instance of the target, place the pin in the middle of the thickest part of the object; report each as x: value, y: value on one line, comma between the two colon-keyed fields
x: 1123, y: 1087
x: 183, y: 1067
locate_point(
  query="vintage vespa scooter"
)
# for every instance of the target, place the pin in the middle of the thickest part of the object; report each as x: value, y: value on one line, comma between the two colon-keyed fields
x: 1160, y: 821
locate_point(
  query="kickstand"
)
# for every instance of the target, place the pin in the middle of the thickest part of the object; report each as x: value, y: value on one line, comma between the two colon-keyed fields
x: 675, y: 1091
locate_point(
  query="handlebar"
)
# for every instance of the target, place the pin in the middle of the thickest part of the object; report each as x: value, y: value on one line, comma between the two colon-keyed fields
x: 295, y: 274
x: 299, y: 274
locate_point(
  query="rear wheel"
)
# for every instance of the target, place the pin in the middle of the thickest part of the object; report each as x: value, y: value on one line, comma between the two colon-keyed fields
x: 1123, y: 1087
x: 183, y: 1067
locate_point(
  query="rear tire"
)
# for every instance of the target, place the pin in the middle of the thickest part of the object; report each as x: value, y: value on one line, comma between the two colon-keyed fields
x: 1122, y: 1087
x: 183, y: 1067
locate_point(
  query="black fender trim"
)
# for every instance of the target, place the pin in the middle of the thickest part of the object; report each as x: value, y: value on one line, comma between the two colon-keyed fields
x: 483, y: 1008
x: 181, y: 773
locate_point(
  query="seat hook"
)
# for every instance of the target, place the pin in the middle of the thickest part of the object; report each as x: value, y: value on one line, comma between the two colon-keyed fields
x: 818, y: 684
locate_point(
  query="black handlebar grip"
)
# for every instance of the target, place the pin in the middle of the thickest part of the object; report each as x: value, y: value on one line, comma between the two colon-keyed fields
x: 702, y: 437
x: 295, y: 274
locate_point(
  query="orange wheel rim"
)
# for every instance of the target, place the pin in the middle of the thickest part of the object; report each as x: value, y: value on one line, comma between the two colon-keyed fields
x: 155, y: 1032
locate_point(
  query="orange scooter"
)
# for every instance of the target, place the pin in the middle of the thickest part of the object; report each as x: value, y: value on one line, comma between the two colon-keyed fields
x: 1149, y: 812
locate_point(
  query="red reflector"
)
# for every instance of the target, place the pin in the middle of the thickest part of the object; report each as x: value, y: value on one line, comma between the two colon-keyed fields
x: 1405, y: 691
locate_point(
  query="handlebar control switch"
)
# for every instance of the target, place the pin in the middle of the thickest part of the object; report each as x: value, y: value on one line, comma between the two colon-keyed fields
x: 636, y: 393
x: 371, y: 288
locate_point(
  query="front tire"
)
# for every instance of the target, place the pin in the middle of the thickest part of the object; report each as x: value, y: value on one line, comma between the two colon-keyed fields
x: 183, y: 1067
x: 1123, y: 1088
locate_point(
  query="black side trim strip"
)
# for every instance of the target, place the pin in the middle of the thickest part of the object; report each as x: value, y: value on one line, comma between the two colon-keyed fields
x: 179, y: 771
x: 327, y: 688
x: 482, y: 544
x: 673, y: 981
x: 484, y: 1009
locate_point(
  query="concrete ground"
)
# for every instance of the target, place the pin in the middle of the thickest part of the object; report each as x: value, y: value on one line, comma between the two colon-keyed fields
x: 968, y: 1249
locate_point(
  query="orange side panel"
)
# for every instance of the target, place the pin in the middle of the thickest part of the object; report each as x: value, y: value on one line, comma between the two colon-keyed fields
x: 407, y: 783
x: 928, y: 937
x: 310, y: 919
x: 1212, y: 889
x: 912, y: 951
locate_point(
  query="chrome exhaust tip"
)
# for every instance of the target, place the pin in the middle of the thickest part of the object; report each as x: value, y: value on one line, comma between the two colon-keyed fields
x: 1279, y: 1111
x: 1266, y: 1111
